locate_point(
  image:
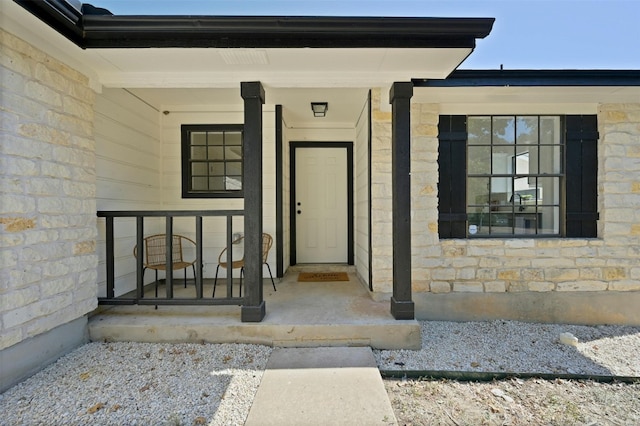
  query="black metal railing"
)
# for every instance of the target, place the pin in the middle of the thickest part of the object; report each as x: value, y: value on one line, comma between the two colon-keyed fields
x: 139, y: 297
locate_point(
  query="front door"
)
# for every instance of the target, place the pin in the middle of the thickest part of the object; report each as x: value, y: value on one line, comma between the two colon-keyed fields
x: 321, y: 202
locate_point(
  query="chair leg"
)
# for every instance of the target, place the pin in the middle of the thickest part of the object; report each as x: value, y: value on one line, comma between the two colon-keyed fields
x: 195, y: 284
x: 272, y: 282
x: 156, y: 284
x: 241, y: 274
x: 215, y: 282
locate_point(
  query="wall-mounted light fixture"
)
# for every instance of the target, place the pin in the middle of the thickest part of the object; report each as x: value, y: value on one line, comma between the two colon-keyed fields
x: 319, y: 108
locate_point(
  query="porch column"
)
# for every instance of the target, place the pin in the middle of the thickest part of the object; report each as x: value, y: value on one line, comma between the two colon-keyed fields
x: 253, y: 309
x: 402, y: 306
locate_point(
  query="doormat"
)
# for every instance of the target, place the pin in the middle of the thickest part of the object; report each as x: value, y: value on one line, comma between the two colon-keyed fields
x: 322, y: 276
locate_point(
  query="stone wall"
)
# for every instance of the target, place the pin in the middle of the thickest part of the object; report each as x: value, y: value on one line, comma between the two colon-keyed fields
x: 609, y: 264
x: 47, y: 193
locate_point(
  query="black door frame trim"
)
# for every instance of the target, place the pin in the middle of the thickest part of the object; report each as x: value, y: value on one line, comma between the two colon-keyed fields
x: 350, y: 207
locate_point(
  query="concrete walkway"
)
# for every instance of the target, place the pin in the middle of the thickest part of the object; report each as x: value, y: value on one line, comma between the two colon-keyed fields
x: 321, y: 386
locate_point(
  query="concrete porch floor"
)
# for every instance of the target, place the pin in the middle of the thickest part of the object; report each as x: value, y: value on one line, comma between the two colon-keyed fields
x: 298, y: 314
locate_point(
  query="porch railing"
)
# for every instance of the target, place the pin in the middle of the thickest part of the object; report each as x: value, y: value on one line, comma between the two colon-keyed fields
x: 139, y: 297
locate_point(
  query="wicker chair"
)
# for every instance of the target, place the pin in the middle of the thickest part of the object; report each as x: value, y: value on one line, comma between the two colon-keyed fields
x: 267, y: 242
x: 155, y: 255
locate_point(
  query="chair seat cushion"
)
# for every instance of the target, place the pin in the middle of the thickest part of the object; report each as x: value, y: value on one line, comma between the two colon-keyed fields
x: 176, y: 266
x: 234, y: 265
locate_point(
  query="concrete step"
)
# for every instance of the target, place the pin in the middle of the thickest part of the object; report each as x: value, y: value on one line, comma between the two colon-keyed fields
x: 321, y: 386
x: 298, y: 315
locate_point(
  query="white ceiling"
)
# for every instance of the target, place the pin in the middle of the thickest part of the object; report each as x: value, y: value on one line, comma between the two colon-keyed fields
x: 345, y: 104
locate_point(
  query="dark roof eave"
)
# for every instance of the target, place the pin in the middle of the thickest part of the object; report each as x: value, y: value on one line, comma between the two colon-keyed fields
x: 59, y: 15
x: 91, y: 30
x: 535, y: 78
x: 283, y: 32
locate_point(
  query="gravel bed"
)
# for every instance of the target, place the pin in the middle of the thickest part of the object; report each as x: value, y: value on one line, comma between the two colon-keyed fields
x: 140, y: 384
x: 516, y: 347
x: 214, y: 384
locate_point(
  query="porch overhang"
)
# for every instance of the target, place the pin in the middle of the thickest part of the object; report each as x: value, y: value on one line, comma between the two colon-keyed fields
x: 280, y: 51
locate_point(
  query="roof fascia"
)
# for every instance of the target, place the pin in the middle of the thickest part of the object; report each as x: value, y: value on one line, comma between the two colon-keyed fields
x: 97, y: 28
x: 537, y: 78
x: 59, y: 15
x: 282, y: 32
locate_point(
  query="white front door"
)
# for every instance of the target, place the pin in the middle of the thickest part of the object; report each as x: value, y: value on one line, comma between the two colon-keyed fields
x: 321, y: 205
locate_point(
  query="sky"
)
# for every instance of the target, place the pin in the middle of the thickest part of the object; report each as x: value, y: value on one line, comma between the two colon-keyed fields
x: 527, y: 34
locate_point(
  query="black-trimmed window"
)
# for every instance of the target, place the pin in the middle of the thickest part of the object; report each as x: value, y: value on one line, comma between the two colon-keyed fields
x: 212, y: 160
x: 517, y: 176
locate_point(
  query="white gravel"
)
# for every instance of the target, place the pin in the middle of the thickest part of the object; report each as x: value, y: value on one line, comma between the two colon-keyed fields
x: 141, y: 384
x: 208, y: 384
x: 516, y: 347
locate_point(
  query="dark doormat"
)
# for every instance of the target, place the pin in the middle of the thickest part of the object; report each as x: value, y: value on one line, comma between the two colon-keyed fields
x: 322, y: 276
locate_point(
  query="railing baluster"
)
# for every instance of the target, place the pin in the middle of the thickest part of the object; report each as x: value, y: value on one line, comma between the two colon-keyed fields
x: 229, y: 256
x: 110, y: 258
x: 169, y: 257
x: 198, y: 272
x: 140, y: 257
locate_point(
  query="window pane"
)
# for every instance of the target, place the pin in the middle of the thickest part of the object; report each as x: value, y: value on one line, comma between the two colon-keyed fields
x: 478, y: 220
x: 198, y: 138
x: 549, y: 190
x: 198, y: 153
x: 479, y: 130
x: 503, y: 130
x: 234, y: 168
x: 478, y: 191
x: 550, y: 130
x: 522, y: 163
x: 233, y: 183
x: 216, y: 168
x: 216, y: 153
x: 479, y: 161
x: 500, y: 191
x: 216, y: 183
x: 502, y: 159
x: 549, y: 220
x: 525, y: 222
x: 233, y: 138
x: 502, y: 223
x: 550, y: 159
x: 199, y: 169
x: 199, y: 183
x: 527, y: 130
x: 233, y: 153
x: 216, y: 138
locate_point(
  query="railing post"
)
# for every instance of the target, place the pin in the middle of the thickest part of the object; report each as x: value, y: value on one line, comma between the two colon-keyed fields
x: 140, y: 257
x: 402, y: 306
x: 110, y: 258
x: 253, y: 310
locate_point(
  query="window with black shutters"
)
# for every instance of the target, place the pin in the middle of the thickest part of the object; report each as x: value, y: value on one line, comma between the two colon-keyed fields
x: 517, y: 176
x: 212, y: 161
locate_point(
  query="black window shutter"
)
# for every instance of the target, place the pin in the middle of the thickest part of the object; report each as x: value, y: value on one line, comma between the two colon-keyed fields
x: 581, y: 175
x: 452, y: 182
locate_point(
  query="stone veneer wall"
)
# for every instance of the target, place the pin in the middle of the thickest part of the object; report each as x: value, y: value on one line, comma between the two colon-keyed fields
x: 608, y: 264
x: 47, y: 193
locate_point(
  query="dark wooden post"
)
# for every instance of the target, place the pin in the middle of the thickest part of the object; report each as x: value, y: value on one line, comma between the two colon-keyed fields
x: 402, y: 307
x: 253, y: 309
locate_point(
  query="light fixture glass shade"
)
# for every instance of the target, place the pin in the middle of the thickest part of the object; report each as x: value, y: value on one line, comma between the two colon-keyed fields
x: 319, y: 108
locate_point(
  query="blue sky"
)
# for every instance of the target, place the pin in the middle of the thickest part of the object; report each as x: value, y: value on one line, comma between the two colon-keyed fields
x: 527, y: 34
